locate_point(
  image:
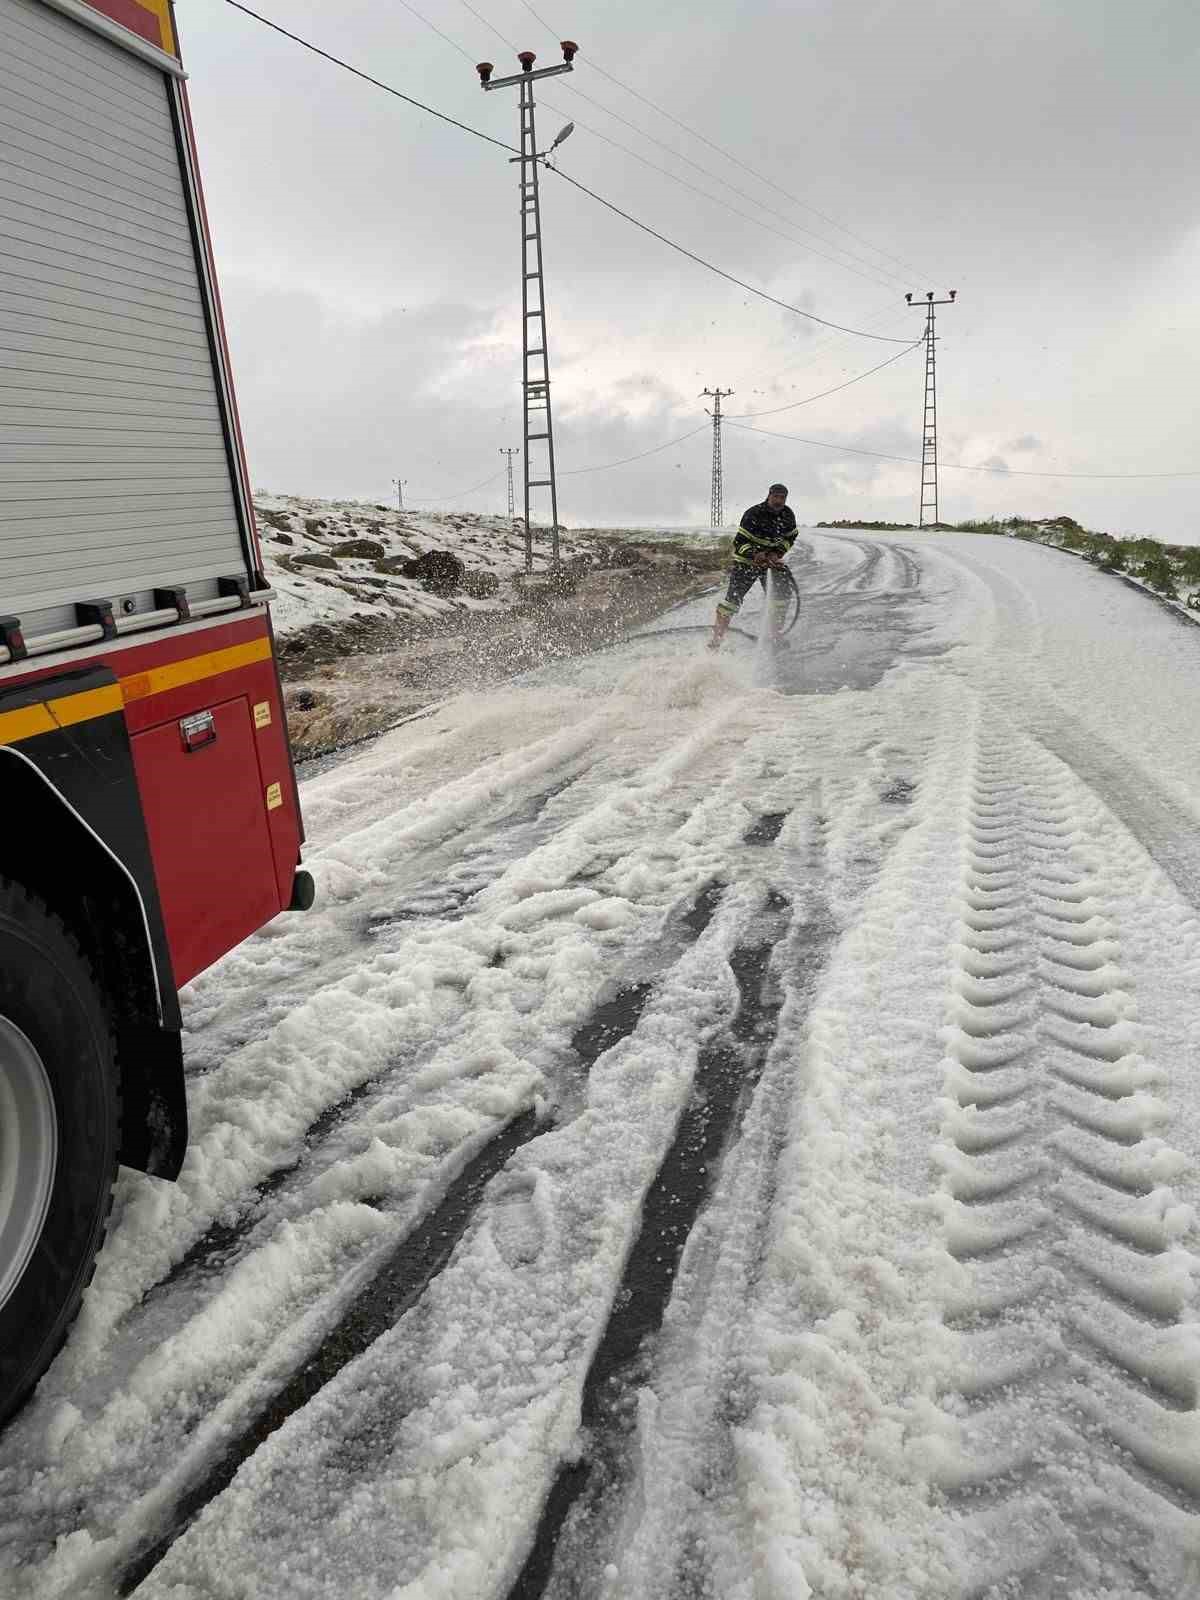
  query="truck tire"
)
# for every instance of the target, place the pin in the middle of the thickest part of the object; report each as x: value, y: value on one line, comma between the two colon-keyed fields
x: 59, y: 1136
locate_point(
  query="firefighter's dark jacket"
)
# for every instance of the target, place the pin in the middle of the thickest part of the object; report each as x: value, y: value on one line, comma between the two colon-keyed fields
x: 766, y: 531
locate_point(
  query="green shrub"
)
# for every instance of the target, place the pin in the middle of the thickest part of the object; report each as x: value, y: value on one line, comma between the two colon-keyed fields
x: 1142, y: 549
x: 1105, y: 552
x: 1160, y: 575
x: 872, y: 527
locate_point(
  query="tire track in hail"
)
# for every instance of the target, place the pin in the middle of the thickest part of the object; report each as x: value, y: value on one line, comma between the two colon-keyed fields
x: 547, y: 827
x: 882, y: 567
x: 405, y: 1269
x: 687, y: 1459
x: 854, y: 578
x: 603, y: 1506
x: 1069, y: 1396
x: 727, y: 1072
x: 222, y: 1245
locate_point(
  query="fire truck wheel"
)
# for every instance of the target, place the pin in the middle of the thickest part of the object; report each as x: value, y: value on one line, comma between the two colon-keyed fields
x: 59, y: 1135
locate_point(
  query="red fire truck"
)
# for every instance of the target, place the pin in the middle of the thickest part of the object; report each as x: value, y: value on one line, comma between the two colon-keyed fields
x: 149, y: 818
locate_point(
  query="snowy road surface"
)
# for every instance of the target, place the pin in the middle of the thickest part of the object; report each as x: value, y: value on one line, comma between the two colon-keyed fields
x: 731, y: 1128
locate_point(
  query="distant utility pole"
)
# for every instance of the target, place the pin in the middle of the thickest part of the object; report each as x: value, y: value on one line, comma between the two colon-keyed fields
x: 718, y: 485
x: 539, y: 427
x: 929, y: 483
x: 510, y: 454
x: 400, y: 482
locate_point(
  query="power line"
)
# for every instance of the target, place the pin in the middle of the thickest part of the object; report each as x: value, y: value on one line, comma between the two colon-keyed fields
x: 958, y: 466
x: 791, y: 406
x: 654, y: 167
x: 491, y: 28
x: 713, y: 198
x: 872, y: 267
x: 677, y: 154
x: 462, y: 494
x: 645, y: 228
x: 366, y: 76
x: 736, y: 160
x: 720, y: 271
x: 435, y: 499
x: 433, y: 27
x: 811, y: 353
x: 625, y: 460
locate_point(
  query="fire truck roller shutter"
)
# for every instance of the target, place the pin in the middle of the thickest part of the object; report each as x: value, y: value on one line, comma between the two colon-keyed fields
x: 116, y: 474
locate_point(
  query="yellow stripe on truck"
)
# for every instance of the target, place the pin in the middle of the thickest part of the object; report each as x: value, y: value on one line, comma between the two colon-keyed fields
x: 63, y: 710
x: 161, y: 11
x: 174, y: 674
x: 25, y: 723
x: 83, y: 707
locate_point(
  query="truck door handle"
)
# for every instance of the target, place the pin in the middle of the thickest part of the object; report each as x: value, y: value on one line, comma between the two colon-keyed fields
x: 197, y: 731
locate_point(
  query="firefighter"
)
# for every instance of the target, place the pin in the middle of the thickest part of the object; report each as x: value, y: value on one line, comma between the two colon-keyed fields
x: 765, y: 535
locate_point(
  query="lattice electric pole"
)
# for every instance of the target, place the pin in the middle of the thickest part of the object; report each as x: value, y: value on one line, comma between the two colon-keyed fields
x: 539, y: 426
x: 718, y: 484
x: 400, y: 482
x: 929, y: 483
x: 510, y: 454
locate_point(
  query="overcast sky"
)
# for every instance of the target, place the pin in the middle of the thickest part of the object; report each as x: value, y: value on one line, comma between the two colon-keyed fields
x: 1039, y: 156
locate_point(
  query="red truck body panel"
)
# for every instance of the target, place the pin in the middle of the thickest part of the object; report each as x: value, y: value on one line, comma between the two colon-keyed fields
x: 222, y: 816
